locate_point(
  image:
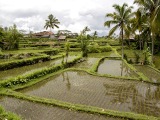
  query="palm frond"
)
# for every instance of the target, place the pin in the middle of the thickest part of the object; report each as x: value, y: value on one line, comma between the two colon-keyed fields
x: 113, y: 30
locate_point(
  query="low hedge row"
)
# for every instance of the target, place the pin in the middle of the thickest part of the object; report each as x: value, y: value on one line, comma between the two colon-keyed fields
x: 21, y: 80
x: 75, y: 45
x: 51, y: 52
x: 23, y: 62
x: 93, y: 49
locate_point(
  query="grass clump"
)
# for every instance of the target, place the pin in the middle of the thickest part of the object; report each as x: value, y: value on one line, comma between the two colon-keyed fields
x: 4, y: 115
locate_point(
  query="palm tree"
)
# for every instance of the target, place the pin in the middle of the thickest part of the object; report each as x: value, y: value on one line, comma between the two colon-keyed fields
x: 84, y: 41
x: 121, y: 19
x: 86, y: 29
x: 94, y: 35
x: 137, y: 22
x: 67, y: 46
x: 152, y: 10
x: 51, y: 22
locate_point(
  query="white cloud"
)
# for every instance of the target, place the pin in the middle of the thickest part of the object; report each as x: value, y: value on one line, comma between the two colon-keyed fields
x: 74, y: 15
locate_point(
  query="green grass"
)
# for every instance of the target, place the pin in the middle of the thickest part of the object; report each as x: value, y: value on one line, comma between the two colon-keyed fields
x: 4, y: 115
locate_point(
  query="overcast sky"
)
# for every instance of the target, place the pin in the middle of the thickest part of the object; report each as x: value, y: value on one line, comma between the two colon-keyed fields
x: 73, y: 15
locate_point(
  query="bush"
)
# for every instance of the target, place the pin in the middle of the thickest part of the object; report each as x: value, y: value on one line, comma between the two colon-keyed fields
x: 92, y: 49
x: 75, y: 45
x: 97, y: 49
x: 105, y: 49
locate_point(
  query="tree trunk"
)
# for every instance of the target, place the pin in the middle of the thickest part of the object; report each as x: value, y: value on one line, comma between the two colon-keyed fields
x: 122, y: 42
x: 152, y: 47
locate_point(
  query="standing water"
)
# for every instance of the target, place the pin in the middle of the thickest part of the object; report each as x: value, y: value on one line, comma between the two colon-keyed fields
x: 115, y: 68
x: 82, y: 88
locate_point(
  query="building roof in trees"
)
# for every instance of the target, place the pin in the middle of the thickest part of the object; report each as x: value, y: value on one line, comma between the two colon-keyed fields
x: 62, y: 37
x: 44, y: 33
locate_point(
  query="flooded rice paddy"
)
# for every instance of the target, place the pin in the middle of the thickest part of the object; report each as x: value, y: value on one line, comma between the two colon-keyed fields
x: 82, y: 88
x: 35, y: 111
x: 149, y: 72
x: 115, y: 68
x: 30, y: 68
x: 86, y: 64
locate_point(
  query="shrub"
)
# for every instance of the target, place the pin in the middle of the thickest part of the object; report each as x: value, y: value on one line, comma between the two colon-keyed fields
x: 105, y: 48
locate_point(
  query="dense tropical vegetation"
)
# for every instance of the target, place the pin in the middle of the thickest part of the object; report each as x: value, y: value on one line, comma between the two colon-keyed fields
x: 144, y: 24
x: 87, y: 64
x: 121, y: 19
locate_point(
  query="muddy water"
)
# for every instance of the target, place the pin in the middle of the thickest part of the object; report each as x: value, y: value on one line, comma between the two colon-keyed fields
x: 30, y: 68
x: 115, y: 68
x: 149, y: 72
x: 86, y: 64
x: 35, y: 111
x: 104, y: 54
x: 114, y: 94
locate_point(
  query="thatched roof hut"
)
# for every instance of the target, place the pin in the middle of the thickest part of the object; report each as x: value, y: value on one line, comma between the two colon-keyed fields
x: 62, y: 38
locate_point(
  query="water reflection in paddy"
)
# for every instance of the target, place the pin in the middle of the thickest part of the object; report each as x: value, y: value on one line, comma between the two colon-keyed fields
x: 149, y: 72
x: 30, y: 68
x: 115, y: 68
x: 87, y: 63
x: 35, y: 111
x: 81, y: 88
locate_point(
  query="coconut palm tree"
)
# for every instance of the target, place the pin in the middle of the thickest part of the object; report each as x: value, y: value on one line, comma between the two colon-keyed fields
x: 121, y: 19
x: 86, y: 29
x: 138, y: 24
x: 51, y: 22
x: 152, y: 10
x: 94, y: 35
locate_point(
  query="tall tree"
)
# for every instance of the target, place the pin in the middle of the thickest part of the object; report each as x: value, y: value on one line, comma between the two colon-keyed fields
x: 51, y: 22
x: 12, y: 36
x: 121, y: 19
x: 152, y: 11
x: 138, y: 24
x: 94, y: 35
x: 84, y: 41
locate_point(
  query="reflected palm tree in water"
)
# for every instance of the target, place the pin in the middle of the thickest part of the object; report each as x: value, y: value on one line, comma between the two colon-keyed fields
x: 66, y: 78
x: 139, y: 98
x: 125, y: 70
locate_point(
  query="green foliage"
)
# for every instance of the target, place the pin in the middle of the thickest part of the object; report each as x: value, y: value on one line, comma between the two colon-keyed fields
x: 75, y: 45
x: 51, y: 22
x: 51, y: 52
x: 105, y: 48
x: 23, y: 62
x: 147, y: 55
x: 8, y: 115
x: 84, y: 45
x: 11, y: 38
x: 22, y: 80
x: 137, y: 57
x: 67, y: 46
x: 125, y: 57
x: 95, y: 48
x: 95, y: 66
x: 72, y: 40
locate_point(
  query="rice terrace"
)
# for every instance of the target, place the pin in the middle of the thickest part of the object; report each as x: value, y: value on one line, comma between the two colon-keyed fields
x: 109, y: 70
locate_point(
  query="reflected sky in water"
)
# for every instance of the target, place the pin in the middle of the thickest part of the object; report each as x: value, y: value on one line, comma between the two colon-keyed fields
x: 114, y: 94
